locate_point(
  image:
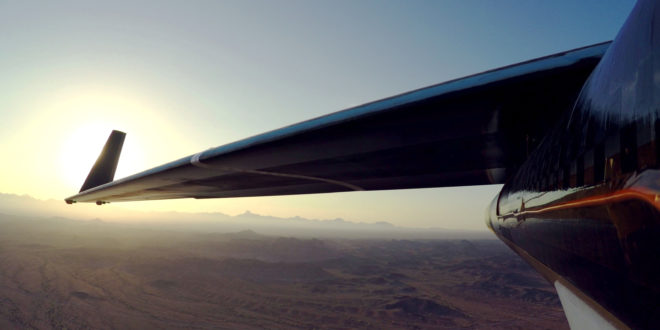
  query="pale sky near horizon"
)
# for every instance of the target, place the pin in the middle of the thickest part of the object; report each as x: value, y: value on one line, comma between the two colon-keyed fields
x: 182, y: 76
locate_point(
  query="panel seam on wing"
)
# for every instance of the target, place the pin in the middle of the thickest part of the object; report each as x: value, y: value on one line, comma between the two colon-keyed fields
x: 195, y: 161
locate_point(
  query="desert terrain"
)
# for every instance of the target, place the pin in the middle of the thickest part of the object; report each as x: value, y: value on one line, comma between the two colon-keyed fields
x: 71, y: 274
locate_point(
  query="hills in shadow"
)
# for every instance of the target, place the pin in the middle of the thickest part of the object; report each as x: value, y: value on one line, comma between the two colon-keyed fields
x: 62, y: 273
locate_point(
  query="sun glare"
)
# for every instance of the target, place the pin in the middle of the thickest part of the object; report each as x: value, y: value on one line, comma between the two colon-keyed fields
x: 82, y: 147
x: 94, y: 115
x: 54, y: 148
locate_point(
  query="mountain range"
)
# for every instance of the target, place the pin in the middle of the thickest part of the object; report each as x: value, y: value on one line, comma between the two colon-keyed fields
x: 25, y: 205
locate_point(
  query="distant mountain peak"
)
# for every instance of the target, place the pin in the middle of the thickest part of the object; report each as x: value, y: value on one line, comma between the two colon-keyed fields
x: 25, y: 205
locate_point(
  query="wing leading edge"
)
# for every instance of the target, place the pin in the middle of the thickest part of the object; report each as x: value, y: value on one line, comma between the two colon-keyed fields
x: 470, y: 131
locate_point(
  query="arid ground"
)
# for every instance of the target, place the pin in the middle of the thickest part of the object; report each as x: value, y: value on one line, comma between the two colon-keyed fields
x: 59, y: 273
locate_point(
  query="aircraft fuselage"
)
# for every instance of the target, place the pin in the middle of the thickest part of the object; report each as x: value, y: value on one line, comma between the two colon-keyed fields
x: 584, y: 209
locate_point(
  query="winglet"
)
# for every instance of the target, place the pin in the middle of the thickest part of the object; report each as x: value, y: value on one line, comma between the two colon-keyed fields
x: 103, y: 170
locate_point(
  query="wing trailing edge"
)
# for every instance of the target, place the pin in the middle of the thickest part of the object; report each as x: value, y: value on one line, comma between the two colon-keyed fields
x: 474, y: 130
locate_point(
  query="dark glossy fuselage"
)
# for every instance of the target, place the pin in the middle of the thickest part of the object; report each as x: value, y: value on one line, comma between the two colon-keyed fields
x: 584, y: 209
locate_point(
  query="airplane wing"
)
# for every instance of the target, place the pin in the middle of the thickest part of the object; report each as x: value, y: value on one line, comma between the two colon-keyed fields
x: 474, y: 130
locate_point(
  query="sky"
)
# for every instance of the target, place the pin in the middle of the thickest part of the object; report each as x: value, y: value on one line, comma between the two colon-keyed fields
x: 183, y: 76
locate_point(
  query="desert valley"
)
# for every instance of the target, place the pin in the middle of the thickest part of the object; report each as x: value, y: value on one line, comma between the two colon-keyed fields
x: 77, y: 274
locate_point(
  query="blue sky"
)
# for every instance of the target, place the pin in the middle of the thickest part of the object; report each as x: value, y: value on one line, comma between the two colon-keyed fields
x: 180, y: 77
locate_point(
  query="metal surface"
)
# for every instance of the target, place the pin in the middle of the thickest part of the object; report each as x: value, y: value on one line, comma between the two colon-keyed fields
x: 586, y: 203
x: 106, y: 164
x: 462, y: 132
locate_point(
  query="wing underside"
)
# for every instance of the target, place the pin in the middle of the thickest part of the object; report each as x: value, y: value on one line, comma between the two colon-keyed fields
x: 470, y: 131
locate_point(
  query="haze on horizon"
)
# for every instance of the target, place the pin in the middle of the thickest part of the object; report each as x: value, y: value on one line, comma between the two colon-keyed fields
x: 182, y: 77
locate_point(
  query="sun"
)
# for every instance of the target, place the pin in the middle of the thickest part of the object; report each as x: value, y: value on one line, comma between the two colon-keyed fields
x: 93, y: 116
x: 80, y: 150
x: 53, y: 150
